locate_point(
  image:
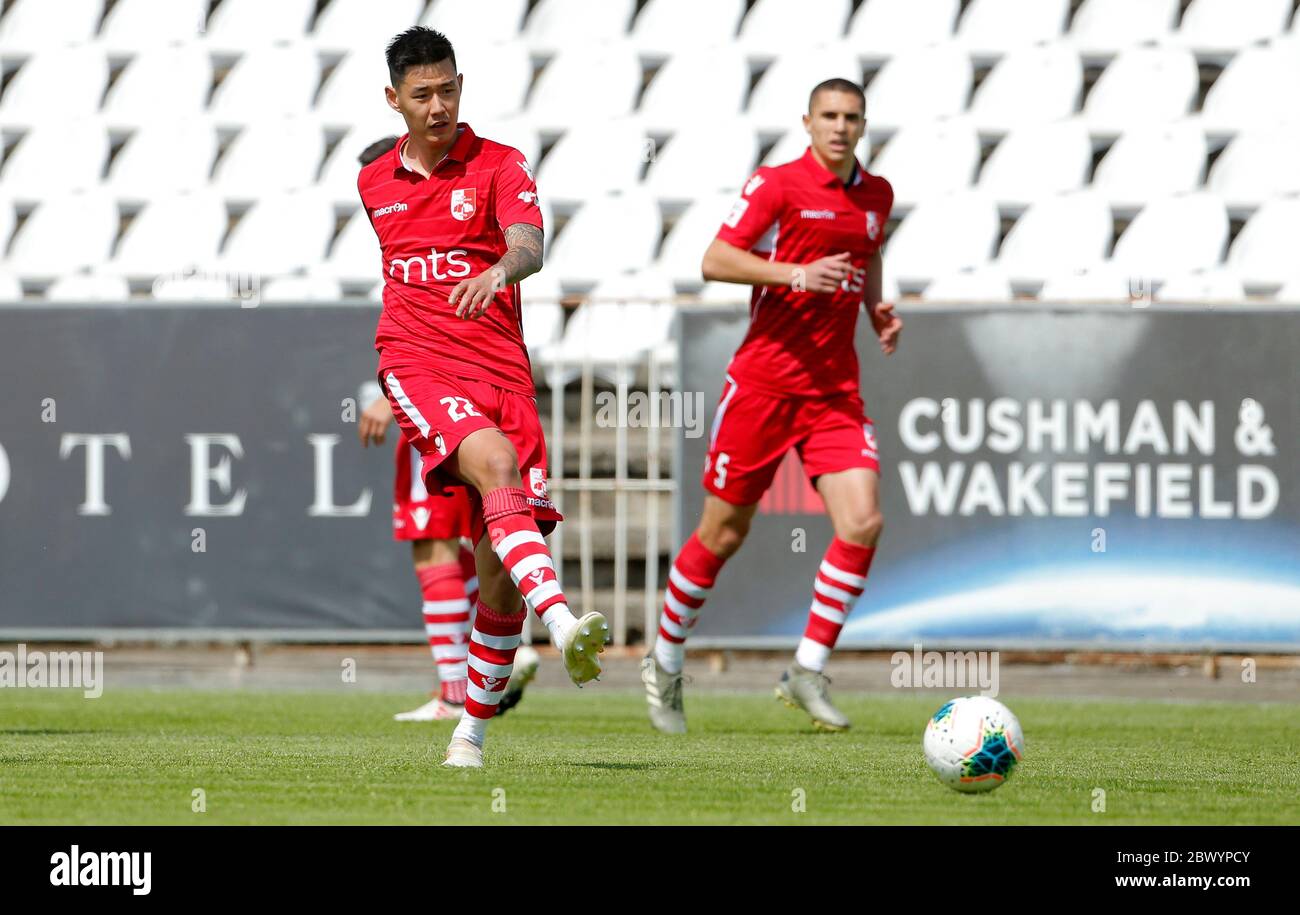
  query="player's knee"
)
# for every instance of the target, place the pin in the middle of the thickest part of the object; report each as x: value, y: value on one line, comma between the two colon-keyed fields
x: 864, y: 527
x: 501, y: 467
x: 726, y: 538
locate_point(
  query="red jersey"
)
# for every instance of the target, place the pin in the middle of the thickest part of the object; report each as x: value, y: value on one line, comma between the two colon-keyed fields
x: 801, y: 343
x: 433, y: 233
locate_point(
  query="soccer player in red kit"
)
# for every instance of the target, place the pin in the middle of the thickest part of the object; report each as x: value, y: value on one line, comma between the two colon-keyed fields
x: 434, y: 524
x: 458, y: 226
x: 806, y: 235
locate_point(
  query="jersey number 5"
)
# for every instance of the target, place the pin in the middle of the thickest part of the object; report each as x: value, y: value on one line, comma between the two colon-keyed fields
x: 720, y: 470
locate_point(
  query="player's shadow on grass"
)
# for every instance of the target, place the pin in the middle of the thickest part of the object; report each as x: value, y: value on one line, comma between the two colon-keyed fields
x: 621, y: 766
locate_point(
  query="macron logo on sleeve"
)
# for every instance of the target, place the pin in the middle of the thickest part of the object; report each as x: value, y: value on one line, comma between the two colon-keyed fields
x: 391, y: 208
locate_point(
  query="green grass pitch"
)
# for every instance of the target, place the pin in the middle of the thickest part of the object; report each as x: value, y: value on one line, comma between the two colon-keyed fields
x: 136, y: 757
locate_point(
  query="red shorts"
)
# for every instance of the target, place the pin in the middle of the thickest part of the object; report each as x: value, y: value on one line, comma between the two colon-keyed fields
x: 752, y: 432
x: 437, y: 411
x: 418, y: 515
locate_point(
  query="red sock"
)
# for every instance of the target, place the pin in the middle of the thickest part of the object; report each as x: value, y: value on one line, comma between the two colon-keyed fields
x: 689, y: 580
x: 523, y: 551
x: 840, y: 579
x: 469, y: 572
x: 446, y: 622
x: 491, y: 659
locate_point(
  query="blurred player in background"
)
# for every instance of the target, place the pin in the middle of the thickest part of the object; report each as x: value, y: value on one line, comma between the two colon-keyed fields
x: 806, y: 235
x: 458, y: 226
x: 444, y: 567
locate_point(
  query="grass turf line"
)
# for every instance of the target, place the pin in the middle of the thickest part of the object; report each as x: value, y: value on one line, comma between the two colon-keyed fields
x: 135, y: 756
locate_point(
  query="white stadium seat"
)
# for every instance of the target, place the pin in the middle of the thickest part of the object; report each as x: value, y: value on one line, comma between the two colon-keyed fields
x: 458, y: 20
x: 65, y: 233
x: 354, y: 92
x: 48, y: 150
x: 1213, y: 285
x: 543, y: 315
x: 246, y: 94
x: 600, y: 81
x: 11, y: 290
x: 882, y: 28
x: 364, y: 26
x: 1035, y: 163
x: 1257, y: 165
x: 1260, y: 87
x: 516, y: 132
x: 497, y: 78
x: 780, y: 97
x: 160, y: 84
x: 281, y: 233
x: 1290, y: 291
x: 673, y: 99
x: 1104, y: 28
x: 978, y: 284
x: 609, y: 235
x: 658, y: 31
x: 236, y: 25
x: 772, y: 27
x: 703, y: 159
x: 1172, y: 236
x: 1056, y: 236
x: 29, y: 26
x: 355, y: 257
x: 28, y: 98
x: 1140, y: 87
x: 1028, y: 86
x: 314, y: 288
x: 255, y: 163
x: 1151, y: 162
x: 726, y: 293
x: 134, y: 25
x: 1217, y: 29
x: 593, y: 160
x: 627, y: 316
x: 928, y: 160
x: 1264, y: 251
x: 942, y: 235
x: 175, y: 233
x: 338, y: 177
x: 991, y: 28
x: 554, y: 25
x: 694, y: 231
x: 921, y: 85
x: 1103, y: 282
x: 7, y: 221
x: 88, y: 287
x: 197, y: 290
x: 163, y: 158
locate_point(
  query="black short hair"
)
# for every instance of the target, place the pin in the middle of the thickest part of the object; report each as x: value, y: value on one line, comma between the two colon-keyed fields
x: 838, y: 85
x: 375, y: 150
x: 416, y: 47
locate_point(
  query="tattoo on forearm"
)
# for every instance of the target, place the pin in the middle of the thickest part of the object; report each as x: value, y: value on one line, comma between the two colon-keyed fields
x: 523, y: 255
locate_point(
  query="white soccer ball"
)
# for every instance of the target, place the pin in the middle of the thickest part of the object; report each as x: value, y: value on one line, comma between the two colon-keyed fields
x: 973, y: 744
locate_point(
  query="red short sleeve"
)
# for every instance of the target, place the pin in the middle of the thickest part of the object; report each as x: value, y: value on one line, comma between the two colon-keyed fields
x: 515, y: 192
x: 754, y: 212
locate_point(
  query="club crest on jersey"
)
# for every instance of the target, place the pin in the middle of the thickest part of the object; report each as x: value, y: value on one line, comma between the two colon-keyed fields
x: 537, y: 479
x: 873, y: 225
x: 869, y: 439
x: 462, y: 203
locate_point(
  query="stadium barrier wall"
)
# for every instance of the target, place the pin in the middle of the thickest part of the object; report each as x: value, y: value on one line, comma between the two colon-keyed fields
x: 1084, y: 476
x: 193, y: 473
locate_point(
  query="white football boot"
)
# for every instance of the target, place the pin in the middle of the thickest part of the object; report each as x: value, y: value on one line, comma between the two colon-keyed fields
x: 580, y: 644
x: 463, y: 754
x: 433, y: 710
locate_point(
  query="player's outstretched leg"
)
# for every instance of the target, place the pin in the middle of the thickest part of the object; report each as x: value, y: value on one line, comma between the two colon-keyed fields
x: 519, y: 546
x: 492, y: 646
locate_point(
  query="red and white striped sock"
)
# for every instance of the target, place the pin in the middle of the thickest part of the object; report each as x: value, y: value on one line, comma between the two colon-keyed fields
x: 689, y: 580
x: 840, y: 579
x: 523, y: 551
x: 492, y: 646
x: 446, y: 622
